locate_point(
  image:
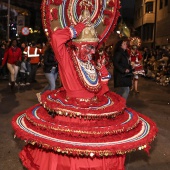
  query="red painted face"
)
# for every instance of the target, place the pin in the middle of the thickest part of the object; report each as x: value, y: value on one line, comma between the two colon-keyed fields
x: 86, y: 51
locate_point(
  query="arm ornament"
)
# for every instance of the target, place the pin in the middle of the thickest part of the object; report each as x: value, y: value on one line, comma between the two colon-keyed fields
x: 73, y: 32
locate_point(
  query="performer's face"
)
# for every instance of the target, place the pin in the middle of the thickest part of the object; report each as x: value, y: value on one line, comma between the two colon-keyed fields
x: 92, y: 49
x: 134, y: 47
x: 86, y: 52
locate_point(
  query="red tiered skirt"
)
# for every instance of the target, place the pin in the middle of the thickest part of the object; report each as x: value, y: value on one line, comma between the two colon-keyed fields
x: 34, y: 158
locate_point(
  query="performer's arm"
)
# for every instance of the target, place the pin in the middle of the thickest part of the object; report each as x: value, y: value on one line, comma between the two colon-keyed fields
x: 61, y: 36
x: 140, y: 57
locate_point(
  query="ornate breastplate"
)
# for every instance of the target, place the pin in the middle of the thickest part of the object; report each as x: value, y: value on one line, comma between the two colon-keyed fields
x: 87, y: 74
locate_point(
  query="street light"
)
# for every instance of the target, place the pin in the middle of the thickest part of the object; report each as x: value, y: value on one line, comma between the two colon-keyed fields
x: 154, y: 36
x: 142, y: 18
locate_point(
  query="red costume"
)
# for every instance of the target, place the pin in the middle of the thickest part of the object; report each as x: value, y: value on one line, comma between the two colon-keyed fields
x: 136, y: 58
x: 71, y: 73
x: 82, y: 125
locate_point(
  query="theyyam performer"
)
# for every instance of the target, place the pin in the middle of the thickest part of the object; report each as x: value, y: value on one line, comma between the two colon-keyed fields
x: 82, y: 125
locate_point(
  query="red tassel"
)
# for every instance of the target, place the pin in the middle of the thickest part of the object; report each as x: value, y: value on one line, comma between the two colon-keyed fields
x: 111, y: 4
x: 106, y: 21
x: 51, y: 17
x: 56, y: 2
x: 55, y: 14
x: 147, y: 149
x: 107, y: 12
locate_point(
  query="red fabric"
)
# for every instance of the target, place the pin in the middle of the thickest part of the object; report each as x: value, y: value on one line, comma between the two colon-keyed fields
x: 117, y: 105
x: 67, y: 70
x: 135, y: 58
x: 135, y: 55
x: 103, y: 90
x: 38, y: 159
x: 77, y: 150
x: 79, y: 27
x: 12, y: 55
x: 100, y: 125
x: 105, y: 56
x: 71, y: 127
x: 104, y: 72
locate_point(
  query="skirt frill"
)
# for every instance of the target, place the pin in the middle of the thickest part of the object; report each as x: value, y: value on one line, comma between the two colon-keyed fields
x: 35, y: 158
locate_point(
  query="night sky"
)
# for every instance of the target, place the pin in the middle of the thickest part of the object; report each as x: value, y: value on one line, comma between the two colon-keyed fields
x: 127, y: 3
x: 127, y: 10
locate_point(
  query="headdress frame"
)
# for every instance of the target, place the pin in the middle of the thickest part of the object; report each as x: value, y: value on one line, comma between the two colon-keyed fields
x: 62, y: 13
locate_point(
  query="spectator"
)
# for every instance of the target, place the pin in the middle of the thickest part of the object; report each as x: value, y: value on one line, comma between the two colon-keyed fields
x: 24, y: 72
x: 136, y: 62
x: 13, y: 57
x: 122, y: 69
x: 3, y: 70
x: 23, y: 46
x: 50, y: 69
x: 34, y: 53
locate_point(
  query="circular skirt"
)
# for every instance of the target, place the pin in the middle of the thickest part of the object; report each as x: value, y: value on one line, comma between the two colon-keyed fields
x: 34, y: 158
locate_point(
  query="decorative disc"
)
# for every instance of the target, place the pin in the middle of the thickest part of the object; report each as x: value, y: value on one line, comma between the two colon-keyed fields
x: 61, y: 13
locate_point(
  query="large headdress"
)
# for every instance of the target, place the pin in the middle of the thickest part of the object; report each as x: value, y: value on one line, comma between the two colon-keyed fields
x: 61, y: 13
x: 135, y: 41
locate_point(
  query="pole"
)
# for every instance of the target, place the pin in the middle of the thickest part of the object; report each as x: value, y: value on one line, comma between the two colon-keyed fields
x: 154, y: 33
x: 8, y: 21
x: 142, y: 19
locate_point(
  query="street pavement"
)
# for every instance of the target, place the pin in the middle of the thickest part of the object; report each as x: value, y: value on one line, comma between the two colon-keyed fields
x: 153, y: 101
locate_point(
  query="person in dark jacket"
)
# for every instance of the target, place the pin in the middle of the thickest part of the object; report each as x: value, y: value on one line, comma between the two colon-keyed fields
x: 122, y: 69
x: 50, y: 69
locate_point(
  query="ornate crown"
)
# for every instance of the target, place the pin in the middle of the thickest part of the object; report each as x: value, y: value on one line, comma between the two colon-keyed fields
x: 89, y: 33
x: 135, y: 41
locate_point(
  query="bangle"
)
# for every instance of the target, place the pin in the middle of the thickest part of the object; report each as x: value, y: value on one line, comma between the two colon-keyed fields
x: 73, y: 32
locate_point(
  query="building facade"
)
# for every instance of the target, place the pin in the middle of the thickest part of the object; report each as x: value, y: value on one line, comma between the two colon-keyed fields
x: 152, y: 22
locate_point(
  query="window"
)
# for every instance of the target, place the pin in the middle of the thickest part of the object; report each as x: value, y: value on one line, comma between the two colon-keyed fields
x: 166, y: 2
x: 160, y: 4
x: 149, y: 7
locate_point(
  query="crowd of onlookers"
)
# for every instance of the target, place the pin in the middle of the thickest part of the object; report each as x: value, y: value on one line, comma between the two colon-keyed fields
x: 156, y: 63
x: 19, y: 63
x: 15, y: 63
